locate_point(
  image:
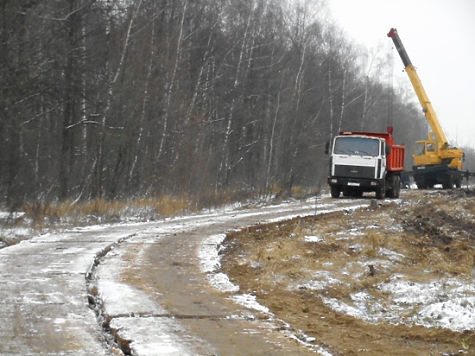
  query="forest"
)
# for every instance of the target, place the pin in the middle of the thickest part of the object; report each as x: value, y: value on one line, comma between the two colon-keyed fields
x: 115, y: 99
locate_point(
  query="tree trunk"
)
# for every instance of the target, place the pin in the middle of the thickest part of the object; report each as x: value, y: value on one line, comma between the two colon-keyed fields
x: 271, y: 143
x: 224, y: 167
x: 98, y: 191
x: 145, y: 100
x: 343, y: 98
x: 330, y: 100
x: 171, y: 85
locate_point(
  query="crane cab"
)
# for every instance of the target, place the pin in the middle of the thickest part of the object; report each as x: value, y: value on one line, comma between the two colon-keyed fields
x: 426, y: 152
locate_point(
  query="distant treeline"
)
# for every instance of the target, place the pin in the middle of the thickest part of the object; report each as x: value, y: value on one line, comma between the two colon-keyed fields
x: 116, y: 98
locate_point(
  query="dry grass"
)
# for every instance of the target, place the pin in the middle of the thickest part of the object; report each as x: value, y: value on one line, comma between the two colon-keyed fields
x: 41, y: 215
x: 374, y: 241
x: 296, y: 191
x: 99, y: 210
x: 274, y: 189
x: 49, y: 214
x: 425, y: 240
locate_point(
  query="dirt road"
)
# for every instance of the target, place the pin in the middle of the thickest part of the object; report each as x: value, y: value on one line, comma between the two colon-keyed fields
x: 194, y: 317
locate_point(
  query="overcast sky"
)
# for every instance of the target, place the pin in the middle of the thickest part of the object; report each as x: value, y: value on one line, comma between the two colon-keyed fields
x: 439, y: 36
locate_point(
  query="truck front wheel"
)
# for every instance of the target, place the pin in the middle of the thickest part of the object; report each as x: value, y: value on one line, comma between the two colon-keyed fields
x: 335, y: 191
x: 395, y: 187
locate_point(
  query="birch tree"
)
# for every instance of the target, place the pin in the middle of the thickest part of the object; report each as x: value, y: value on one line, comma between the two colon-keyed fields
x: 99, y: 165
x: 171, y: 83
x: 146, y: 97
x: 224, y: 167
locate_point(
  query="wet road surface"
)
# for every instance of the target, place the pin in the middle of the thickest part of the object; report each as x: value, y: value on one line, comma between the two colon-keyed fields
x: 149, y: 289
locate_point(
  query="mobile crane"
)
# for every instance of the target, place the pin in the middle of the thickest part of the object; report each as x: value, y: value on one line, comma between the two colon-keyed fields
x: 435, y: 162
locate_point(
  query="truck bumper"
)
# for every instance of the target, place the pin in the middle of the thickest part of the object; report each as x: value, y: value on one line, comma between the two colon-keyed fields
x: 363, y: 184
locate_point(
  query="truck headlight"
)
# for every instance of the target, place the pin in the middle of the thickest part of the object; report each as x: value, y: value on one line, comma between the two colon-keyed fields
x: 374, y: 183
x: 334, y: 180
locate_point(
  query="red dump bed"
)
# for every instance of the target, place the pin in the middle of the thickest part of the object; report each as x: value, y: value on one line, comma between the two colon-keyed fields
x: 395, y: 159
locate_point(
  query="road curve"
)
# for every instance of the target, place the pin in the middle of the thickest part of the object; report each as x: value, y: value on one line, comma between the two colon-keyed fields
x: 149, y: 291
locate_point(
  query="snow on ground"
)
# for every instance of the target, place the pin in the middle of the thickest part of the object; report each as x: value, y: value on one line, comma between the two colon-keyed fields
x: 13, y: 215
x: 10, y: 231
x: 313, y: 239
x: 448, y: 304
x: 120, y: 298
x: 134, y: 314
x: 319, y: 210
x: 450, y: 307
x: 210, y: 262
x: 155, y: 336
x: 249, y: 301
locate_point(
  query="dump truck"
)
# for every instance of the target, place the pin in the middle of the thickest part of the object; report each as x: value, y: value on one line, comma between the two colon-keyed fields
x: 365, y: 162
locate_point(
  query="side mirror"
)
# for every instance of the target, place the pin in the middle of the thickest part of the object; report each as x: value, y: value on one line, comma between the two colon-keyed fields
x: 387, y: 149
x: 327, y: 147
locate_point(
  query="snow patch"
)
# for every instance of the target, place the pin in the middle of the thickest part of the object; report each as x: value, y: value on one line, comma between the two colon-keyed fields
x: 447, y: 303
x: 209, y: 253
x: 119, y: 298
x: 210, y: 263
x: 440, y: 303
x: 318, y: 211
x: 390, y: 254
x: 221, y: 281
x: 152, y: 336
x: 11, y: 215
x: 249, y: 301
x: 322, y: 280
x: 313, y: 239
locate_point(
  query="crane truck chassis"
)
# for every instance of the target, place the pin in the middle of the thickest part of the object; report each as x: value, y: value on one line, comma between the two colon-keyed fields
x: 365, y: 162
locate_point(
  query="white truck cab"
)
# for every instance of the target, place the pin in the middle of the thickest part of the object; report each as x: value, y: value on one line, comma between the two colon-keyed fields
x: 365, y: 162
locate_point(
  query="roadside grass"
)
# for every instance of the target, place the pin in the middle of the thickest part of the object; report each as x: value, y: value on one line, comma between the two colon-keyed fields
x: 41, y: 216
x: 354, y: 259
x: 69, y: 213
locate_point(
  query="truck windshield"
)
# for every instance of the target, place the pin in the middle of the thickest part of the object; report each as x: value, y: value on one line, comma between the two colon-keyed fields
x: 359, y: 146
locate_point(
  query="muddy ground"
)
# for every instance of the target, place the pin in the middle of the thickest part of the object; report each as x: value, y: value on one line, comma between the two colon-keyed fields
x: 306, y: 271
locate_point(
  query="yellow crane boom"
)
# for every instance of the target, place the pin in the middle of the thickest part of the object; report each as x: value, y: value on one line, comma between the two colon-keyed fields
x: 435, y: 161
x: 419, y: 89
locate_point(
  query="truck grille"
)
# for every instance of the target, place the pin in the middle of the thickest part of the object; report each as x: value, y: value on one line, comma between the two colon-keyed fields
x: 354, y: 171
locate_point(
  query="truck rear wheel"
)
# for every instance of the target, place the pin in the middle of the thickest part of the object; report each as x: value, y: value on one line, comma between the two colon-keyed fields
x: 335, y: 191
x: 448, y: 183
x: 397, y: 187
